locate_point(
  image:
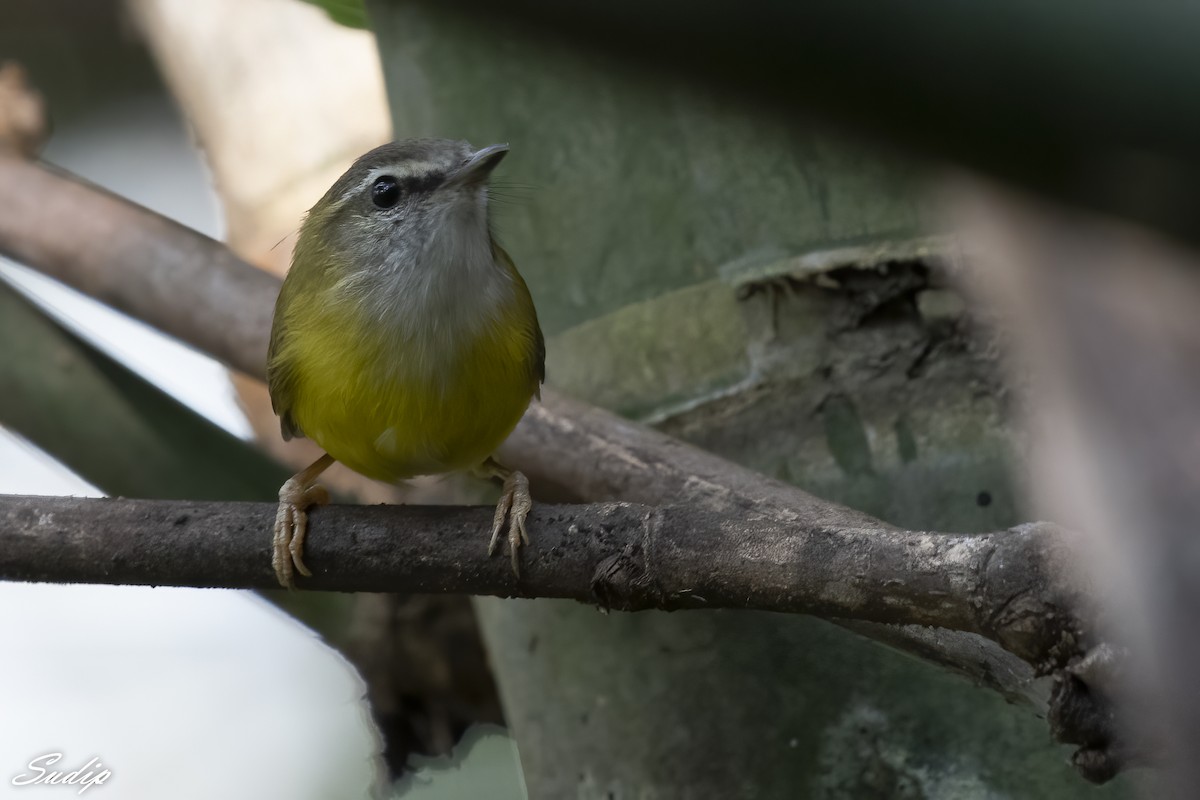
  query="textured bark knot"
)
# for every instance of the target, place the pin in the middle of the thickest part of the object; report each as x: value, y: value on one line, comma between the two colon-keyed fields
x: 620, y: 580
x: 1032, y: 598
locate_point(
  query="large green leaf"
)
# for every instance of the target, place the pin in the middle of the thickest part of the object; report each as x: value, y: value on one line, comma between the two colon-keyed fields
x: 760, y: 289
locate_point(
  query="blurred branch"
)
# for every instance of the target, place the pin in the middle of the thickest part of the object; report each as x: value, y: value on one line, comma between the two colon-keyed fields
x: 1103, y: 316
x: 136, y: 260
x: 23, y: 128
x: 808, y: 554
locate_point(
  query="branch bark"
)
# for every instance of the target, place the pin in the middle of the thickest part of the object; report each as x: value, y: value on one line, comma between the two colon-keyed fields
x: 730, y: 536
x: 139, y: 262
x: 619, y: 555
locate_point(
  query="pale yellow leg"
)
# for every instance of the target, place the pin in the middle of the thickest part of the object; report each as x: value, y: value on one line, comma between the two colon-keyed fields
x: 296, y: 496
x: 514, y: 506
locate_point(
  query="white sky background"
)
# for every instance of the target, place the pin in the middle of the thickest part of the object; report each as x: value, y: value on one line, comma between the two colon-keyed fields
x: 181, y: 693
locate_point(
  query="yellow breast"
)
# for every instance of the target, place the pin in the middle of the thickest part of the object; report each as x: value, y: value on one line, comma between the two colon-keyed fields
x: 367, y: 405
x: 391, y: 406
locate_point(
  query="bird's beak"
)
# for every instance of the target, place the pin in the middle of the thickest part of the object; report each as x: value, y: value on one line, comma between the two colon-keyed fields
x: 480, y: 165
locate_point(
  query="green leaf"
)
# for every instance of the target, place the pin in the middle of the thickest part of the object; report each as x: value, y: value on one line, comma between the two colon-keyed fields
x: 350, y: 13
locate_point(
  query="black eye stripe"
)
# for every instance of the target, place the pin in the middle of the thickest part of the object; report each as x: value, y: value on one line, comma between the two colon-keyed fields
x: 421, y: 183
x: 387, y: 191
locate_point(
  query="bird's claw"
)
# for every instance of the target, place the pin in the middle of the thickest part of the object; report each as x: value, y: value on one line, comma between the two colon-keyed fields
x: 514, y: 506
x: 291, y: 526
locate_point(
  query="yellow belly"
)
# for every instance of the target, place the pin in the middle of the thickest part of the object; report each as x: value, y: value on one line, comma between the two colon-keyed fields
x: 390, y: 412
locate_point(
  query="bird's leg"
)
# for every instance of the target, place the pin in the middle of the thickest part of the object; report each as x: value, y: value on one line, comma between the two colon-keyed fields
x: 511, y: 511
x: 296, y: 496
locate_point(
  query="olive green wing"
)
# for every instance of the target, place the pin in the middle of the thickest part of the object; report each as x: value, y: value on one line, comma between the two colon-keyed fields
x: 540, y: 357
x: 538, y: 361
x: 281, y: 372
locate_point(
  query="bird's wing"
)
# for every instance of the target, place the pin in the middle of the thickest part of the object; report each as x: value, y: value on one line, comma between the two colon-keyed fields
x: 525, y: 298
x: 281, y: 372
x: 540, y: 357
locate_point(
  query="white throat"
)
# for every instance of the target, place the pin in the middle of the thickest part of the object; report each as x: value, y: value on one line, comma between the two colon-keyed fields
x: 434, y: 297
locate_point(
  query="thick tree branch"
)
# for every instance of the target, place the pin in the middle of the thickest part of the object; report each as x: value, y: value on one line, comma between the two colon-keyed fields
x: 619, y: 555
x: 730, y: 536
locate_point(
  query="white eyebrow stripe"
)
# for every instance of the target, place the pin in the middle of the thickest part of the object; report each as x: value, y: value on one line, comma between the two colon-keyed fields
x: 409, y: 169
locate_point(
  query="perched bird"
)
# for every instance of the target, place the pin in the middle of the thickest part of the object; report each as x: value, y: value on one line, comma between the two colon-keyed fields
x: 404, y: 341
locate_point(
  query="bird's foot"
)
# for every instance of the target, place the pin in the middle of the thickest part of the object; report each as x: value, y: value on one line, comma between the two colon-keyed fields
x: 514, y: 506
x: 296, y: 496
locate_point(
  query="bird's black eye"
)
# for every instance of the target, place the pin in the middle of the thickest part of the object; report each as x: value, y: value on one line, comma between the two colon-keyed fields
x: 385, y: 192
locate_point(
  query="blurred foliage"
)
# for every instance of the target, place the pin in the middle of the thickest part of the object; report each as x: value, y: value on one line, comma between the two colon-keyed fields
x: 111, y: 426
x: 350, y: 13
x: 127, y: 437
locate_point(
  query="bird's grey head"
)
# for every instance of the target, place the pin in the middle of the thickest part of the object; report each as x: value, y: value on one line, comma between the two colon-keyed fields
x: 407, y: 201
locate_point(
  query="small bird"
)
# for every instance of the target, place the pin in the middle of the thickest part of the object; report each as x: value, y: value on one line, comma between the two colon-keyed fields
x: 404, y: 340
